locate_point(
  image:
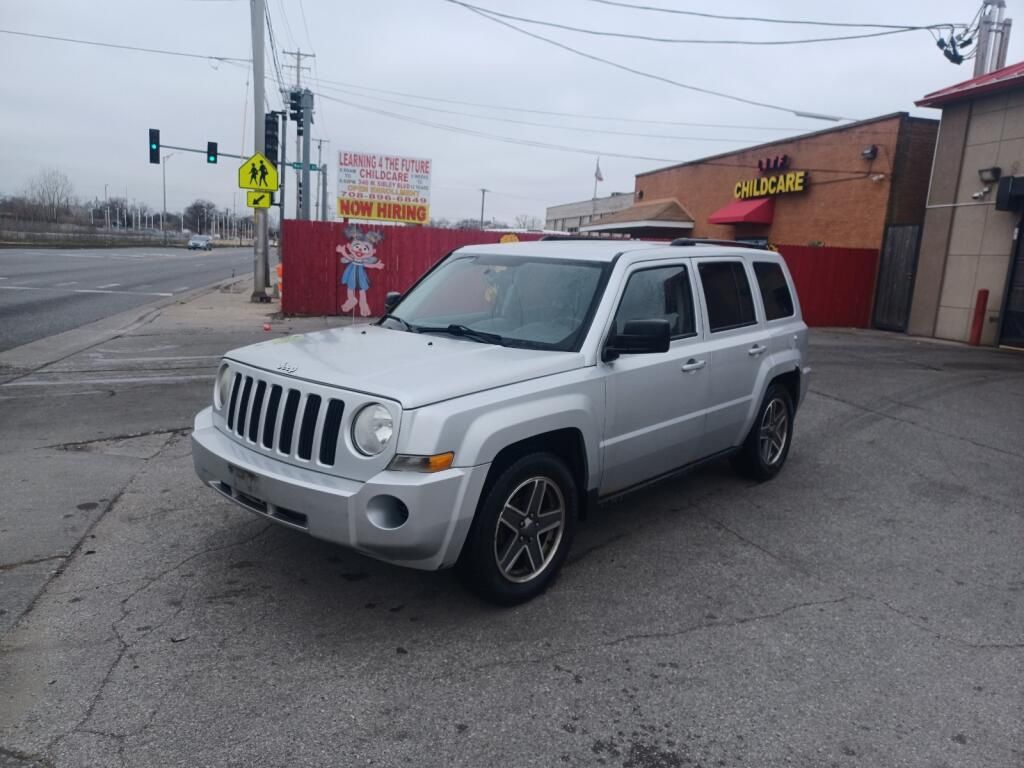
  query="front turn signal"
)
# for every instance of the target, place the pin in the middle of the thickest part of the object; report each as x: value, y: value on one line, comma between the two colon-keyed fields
x: 436, y: 463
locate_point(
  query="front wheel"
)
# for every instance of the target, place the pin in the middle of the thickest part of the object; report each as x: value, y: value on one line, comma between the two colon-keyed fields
x: 522, y: 531
x: 765, y: 450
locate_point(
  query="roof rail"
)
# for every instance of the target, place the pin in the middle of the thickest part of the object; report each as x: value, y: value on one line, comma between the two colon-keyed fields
x: 709, y: 241
x: 570, y: 236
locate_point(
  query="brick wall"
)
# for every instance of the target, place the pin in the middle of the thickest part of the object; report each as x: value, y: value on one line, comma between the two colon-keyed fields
x: 915, y: 151
x: 842, y: 206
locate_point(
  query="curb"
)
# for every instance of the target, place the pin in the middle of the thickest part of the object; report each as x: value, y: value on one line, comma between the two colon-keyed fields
x: 22, y: 360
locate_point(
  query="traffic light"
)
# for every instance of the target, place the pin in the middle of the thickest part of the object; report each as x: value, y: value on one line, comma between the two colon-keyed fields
x: 271, y: 136
x: 211, y: 151
x: 295, y: 110
x: 154, y: 146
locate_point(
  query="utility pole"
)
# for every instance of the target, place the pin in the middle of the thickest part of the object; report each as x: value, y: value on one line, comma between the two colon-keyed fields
x: 321, y: 187
x: 261, y: 265
x: 297, y: 66
x: 307, y: 129
x: 283, y: 152
x: 483, y: 196
x: 324, y: 193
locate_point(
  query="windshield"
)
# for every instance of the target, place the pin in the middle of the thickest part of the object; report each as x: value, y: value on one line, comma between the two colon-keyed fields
x: 511, y: 300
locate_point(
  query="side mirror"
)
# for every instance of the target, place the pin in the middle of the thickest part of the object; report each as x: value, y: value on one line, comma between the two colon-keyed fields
x: 391, y: 300
x: 639, y: 337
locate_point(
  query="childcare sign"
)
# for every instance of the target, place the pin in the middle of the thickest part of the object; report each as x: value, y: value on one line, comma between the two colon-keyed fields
x: 383, y: 188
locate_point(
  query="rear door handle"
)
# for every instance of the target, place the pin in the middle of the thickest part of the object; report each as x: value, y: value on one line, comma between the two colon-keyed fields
x: 693, y: 365
x: 756, y: 350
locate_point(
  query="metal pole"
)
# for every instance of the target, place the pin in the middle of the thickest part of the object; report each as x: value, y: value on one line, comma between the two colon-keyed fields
x: 281, y: 177
x: 307, y: 129
x: 483, y: 196
x: 323, y: 192
x: 319, y: 164
x: 163, y: 213
x: 261, y: 266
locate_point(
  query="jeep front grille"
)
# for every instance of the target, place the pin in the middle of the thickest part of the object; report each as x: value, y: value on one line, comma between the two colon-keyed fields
x: 301, y: 429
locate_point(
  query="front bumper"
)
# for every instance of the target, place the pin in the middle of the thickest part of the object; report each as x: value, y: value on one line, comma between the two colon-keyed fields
x: 363, y: 516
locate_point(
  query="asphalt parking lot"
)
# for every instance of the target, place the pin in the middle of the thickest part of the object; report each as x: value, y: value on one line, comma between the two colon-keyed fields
x: 863, y: 609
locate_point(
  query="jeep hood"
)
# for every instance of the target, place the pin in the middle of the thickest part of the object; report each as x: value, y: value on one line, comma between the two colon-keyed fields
x: 416, y: 369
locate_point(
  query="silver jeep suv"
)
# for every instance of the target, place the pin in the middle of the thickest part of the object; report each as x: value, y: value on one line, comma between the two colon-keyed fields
x: 506, y: 393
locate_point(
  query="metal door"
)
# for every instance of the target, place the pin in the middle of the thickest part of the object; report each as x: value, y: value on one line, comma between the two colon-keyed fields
x: 654, y: 403
x: 895, y: 285
x: 1011, y: 329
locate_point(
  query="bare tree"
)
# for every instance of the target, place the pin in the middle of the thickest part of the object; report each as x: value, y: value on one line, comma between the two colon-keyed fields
x: 525, y: 221
x: 51, y: 190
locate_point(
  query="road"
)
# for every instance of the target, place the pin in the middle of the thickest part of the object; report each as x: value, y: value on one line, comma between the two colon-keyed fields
x: 45, y: 291
x: 862, y: 609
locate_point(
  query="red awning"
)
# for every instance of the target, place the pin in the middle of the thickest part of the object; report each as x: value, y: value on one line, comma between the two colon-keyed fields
x: 757, y: 211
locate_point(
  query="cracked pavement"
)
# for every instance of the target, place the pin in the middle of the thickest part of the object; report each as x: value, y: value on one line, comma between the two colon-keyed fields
x: 864, y: 608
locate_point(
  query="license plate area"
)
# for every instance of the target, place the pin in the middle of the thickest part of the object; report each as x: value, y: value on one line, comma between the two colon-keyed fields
x: 245, y: 481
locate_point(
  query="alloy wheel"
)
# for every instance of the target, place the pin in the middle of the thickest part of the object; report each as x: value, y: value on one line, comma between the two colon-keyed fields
x: 529, y: 529
x: 774, y: 431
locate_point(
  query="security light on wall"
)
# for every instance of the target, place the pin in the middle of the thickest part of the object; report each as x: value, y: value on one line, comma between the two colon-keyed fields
x: 869, y: 152
x: 990, y: 175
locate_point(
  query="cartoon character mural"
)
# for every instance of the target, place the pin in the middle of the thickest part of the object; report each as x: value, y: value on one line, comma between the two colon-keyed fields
x: 358, y: 256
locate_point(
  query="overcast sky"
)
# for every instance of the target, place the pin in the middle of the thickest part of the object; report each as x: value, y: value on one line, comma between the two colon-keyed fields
x: 86, y: 110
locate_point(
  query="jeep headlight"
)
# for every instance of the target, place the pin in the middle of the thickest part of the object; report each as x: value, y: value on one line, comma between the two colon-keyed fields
x: 372, y: 429
x: 222, y: 388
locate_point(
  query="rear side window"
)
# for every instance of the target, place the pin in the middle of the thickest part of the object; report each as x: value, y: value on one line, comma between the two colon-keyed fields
x: 778, y: 302
x: 727, y: 295
x: 662, y: 293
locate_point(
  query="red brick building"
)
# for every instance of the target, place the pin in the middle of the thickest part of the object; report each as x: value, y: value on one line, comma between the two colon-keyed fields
x: 843, y: 187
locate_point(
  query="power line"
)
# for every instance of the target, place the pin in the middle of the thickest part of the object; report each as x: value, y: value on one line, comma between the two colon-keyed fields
x: 691, y: 41
x: 492, y: 136
x: 140, y: 49
x: 648, y: 75
x: 287, y: 25
x: 582, y: 116
x: 807, y: 22
x: 536, y: 124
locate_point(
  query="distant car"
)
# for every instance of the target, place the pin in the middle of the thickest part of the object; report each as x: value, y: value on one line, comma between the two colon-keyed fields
x: 200, y: 242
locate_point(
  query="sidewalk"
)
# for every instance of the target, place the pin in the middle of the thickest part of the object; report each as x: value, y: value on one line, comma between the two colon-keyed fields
x: 222, y: 309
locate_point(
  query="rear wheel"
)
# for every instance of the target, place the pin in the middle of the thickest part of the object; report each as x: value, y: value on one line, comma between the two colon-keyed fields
x: 522, y: 531
x: 764, y: 452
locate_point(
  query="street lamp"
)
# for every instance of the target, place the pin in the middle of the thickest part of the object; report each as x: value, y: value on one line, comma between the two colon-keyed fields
x: 163, y: 166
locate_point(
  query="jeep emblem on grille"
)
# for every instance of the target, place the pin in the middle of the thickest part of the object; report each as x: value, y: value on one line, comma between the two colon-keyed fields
x: 287, y: 367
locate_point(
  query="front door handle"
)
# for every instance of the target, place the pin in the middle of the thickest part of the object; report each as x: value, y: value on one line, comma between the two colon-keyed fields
x: 693, y: 365
x: 756, y: 350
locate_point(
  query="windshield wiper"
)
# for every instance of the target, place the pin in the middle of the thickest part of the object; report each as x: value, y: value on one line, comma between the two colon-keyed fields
x: 457, y: 329
x: 407, y: 326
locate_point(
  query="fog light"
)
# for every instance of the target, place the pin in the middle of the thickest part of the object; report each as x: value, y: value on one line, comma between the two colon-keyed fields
x: 435, y: 463
x: 387, y: 512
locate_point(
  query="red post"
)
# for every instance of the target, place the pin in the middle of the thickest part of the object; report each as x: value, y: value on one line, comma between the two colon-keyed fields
x: 978, y: 321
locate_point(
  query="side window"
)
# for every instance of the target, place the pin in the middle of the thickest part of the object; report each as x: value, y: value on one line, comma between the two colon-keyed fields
x: 727, y: 295
x: 774, y: 291
x: 662, y: 293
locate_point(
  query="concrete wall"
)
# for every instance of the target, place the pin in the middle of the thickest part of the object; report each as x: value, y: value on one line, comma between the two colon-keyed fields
x: 569, y: 217
x: 843, y: 205
x: 966, y: 244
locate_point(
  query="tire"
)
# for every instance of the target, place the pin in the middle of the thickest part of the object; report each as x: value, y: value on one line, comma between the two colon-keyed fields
x: 513, y: 528
x: 764, y: 452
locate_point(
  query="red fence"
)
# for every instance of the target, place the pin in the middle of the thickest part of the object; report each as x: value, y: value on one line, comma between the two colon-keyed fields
x: 333, y: 269
x: 836, y: 286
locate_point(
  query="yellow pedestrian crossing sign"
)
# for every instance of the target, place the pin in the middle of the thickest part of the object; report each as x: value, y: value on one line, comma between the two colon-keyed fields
x: 258, y: 173
x: 259, y: 199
